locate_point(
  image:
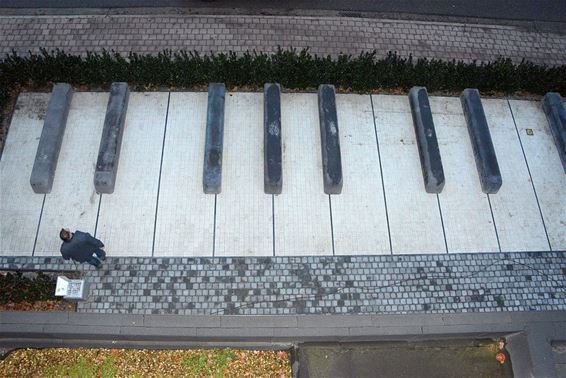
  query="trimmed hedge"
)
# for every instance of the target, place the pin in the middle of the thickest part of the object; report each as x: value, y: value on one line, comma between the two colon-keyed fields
x: 292, y: 69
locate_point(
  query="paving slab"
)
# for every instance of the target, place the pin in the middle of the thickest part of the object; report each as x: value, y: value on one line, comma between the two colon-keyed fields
x: 515, y: 208
x: 19, y: 205
x: 466, y: 214
x: 546, y: 169
x: 359, y: 218
x: 244, y: 213
x: 185, y: 215
x: 73, y: 201
x: 127, y: 216
x: 302, y: 212
x: 414, y: 217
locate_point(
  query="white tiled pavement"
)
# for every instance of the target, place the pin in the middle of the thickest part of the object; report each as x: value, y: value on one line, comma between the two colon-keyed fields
x: 383, y: 208
x: 244, y: 214
x: 466, y: 214
x: 546, y: 170
x: 358, y: 213
x: 302, y: 211
x: 185, y: 216
x: 515, y: 209
x: 73, y: 201
x: 414, y: 216
x: 20, y: 207
x: 127, y: 216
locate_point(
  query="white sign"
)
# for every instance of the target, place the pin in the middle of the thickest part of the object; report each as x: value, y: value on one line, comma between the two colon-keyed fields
x: 62, y: 287
x: 71, y: 289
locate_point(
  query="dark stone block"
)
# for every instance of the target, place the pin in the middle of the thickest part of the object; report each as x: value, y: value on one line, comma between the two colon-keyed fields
x: 429, y: 153
x: 111, y: 141
x: 484, y: 153
x: 212, y: 171
x: 272, y: 177
x: 47, y: 155
x: 330, y: 141
x: 556, y: 115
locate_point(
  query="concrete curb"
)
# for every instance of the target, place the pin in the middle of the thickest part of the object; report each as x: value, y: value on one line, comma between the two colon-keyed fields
x: 329, y: 140
x: 47, y: 155
x: 484, y: 153
x: 272, y: 162
x: 212, y: 171
x: 429, y: 153
x: 553, y: 107
x: 111, y: 140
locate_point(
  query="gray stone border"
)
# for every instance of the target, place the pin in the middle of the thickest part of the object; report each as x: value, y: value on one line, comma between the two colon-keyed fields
x: 52, y: 134
x: 111, y: 140
x: 429, y: 153
x: 213, y: 150
x: 272, y: 160
x: 553, y: 107
x: 329, y: 140
x: 484, y: 152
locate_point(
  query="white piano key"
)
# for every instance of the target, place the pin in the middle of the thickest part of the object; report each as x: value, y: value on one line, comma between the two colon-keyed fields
x: 73, y: 201
x: 546, y: 170
x: 358, y: 213
x: 515, y: 210
x: 127, y: 216
x: 302, y: 212
x: 185, y: 217
x: 20, y: 207
x: 244, y: 219
x: 414, y: 217
x: 466, y: 213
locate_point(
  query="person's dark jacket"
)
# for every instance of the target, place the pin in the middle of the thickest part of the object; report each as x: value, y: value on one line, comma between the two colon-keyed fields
x: 81, y: 247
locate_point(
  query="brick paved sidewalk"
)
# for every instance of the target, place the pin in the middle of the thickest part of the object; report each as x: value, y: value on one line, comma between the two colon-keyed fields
x: 382, y: 284
x: 323, y: 35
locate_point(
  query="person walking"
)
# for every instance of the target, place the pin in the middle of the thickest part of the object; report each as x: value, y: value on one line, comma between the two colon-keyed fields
x: 82, y: 247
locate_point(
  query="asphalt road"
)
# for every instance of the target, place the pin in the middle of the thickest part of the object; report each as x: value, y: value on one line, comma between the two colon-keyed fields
x: 519, y: 10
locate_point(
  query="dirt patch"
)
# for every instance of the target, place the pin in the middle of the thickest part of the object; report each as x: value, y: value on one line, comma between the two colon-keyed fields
x: 33, y: 291
x: 403, y: 360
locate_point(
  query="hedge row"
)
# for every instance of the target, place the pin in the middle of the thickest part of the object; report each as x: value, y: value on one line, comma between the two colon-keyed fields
x: 291, y: 68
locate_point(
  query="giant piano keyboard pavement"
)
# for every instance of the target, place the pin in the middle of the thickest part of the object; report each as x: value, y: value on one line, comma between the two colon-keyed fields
x: 187, y: 174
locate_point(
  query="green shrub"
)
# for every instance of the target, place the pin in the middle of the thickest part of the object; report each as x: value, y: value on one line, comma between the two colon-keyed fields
x: 291, y: 68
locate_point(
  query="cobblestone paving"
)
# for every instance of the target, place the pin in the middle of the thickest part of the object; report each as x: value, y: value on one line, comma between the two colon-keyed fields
x: 319, y: 285
x: 322, y: 35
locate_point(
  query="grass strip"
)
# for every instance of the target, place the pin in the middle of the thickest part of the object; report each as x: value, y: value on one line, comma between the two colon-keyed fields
x: 84, y: 363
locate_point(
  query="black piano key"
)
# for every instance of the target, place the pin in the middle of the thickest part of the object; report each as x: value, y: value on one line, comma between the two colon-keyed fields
x: 429, y: 153
x: 553, y: 107
x: 47, y: 155
x: 272, y: 177
x: 212, y: 171
x: 330, y: 141
x: 111, y: 140
x: 484, y: 153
